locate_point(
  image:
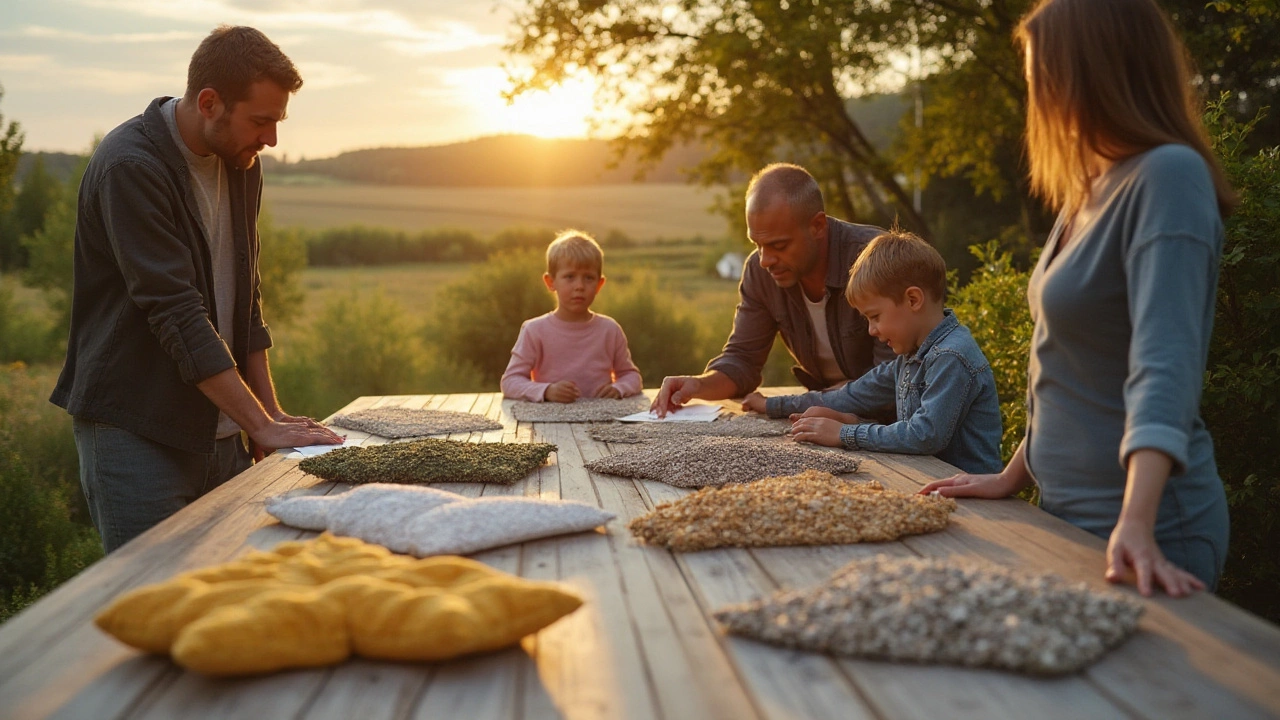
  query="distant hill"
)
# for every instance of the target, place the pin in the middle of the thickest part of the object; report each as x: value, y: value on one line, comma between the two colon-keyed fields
x: 59, y: 165
x: 500, y: 160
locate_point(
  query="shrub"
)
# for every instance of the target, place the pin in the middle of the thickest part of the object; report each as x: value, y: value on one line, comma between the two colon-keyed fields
x: 994, y: 307
x: 24, y: 336
x: 1242, y: 382
x: 361, y: 346
x: 359, y: 245
x: 282, y: 258
x: 663, y: 340
x: 476, y: 320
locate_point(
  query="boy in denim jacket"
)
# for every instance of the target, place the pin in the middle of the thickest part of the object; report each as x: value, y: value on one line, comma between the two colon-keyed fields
x: 941, y: 382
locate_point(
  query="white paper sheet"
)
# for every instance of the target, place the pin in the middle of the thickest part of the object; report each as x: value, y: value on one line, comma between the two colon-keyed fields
x: 688, y: 413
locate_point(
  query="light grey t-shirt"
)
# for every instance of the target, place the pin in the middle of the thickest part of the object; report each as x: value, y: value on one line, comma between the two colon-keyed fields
x: 1123, y: 317
x: 209, y: 185
x: 831, y: 371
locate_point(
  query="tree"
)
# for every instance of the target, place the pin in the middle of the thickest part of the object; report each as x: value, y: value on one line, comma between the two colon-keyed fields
x: 34, y: 200
x: 51, y: 250
x: 10, y: 150
x: 756, y: 81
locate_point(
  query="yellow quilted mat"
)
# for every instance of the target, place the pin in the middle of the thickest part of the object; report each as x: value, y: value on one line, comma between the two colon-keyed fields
x: 314, y: 603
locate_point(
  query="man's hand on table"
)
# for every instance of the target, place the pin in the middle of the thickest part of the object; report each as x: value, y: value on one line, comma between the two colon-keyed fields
x: 293, y: 432
x: 676, y: 391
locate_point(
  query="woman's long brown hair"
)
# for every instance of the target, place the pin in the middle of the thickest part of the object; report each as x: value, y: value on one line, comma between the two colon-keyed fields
x: 1108, y: 78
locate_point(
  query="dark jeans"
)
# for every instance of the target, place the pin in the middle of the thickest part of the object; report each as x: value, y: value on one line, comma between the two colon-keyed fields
x: 132, y: 483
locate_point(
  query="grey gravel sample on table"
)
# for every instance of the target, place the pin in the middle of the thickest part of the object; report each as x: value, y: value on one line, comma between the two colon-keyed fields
x: 738, y: 426
x: 430, y: 460
x: 399, y: 422
x: 702, y: 461
x: 953, y: 611
x: 581, y: 410
x: 812, y: 508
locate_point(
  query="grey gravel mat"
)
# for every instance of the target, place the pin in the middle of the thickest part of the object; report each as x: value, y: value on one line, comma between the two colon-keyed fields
x: 398, y: 422
x: 745, y: 426
x: 702, y: 461
x: 585, y: 410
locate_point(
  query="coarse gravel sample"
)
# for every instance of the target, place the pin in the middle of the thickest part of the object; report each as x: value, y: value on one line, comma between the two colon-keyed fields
x: 580, y: 410
x: 425, y: 521
x: 702, y: 461
x: 954, y: 611
x: 748, y: 426
x: 812, y: 508
x: 399, y: 422
x: 430, y: 460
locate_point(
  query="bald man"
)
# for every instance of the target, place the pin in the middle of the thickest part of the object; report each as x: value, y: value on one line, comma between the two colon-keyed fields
x: 793, y: 285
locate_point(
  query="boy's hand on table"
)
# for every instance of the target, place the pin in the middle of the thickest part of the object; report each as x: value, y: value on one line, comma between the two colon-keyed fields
x: 565, y: 391
x: 823, y: 412
x: 817, y: 430
x: 609, y: 392
x: 754, y: 402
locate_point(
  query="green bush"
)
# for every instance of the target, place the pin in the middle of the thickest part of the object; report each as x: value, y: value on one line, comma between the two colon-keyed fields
x: 994, y: 307
x: 663, y: 340
x: 361, y: 346
x: 1241, y: 403
x: 24, y: 336
x: 475, y: 321
x: 282, y: 258
x: 359, y: 245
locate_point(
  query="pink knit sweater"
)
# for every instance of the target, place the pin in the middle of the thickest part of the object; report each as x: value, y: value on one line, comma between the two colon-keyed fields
x: 592, y: 354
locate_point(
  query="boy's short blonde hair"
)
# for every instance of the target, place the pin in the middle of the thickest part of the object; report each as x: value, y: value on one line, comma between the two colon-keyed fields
x: 894, y: 261
x: 574, y: 248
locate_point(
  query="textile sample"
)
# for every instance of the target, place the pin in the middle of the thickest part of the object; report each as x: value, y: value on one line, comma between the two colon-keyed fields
x: 399, y: 422
x: 581, y: 410
x: 426, y: 521
x: 315, y: 603
x: 951, y: 611
x: 747, y: 426
x: 430, y: 460
x: 701, y: 461
x: 812, y: 508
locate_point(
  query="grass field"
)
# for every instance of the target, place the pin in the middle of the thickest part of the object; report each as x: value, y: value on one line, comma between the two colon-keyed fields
x: 641, y: 211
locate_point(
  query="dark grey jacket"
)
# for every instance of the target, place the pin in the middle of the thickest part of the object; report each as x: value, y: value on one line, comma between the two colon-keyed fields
x: 764, y: 310
x: 143, y: 316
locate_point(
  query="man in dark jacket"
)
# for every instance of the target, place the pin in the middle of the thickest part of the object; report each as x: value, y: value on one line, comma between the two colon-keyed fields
x: 167, y: 356
x: 793, y: 285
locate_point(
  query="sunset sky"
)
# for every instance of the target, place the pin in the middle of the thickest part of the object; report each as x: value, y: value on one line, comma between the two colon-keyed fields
x: 376, y: 72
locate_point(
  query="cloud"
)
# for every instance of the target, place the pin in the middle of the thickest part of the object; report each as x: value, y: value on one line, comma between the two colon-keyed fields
x: 42, y: 72
x: 318, y: 75
x: 48, y: 33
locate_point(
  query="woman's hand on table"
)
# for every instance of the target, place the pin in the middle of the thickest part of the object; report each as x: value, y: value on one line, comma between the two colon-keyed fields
x: 991, y: 487
x: 1134, y: 557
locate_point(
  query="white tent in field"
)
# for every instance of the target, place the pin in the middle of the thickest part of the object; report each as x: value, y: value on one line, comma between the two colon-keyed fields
x: 729, y: 266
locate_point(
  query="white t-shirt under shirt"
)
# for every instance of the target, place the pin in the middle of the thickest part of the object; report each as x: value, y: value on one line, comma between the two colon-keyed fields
x: 209, y: 185
x: 831, y: 372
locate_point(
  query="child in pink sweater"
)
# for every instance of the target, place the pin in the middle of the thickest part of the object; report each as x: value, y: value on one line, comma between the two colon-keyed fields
x: 571, y: 352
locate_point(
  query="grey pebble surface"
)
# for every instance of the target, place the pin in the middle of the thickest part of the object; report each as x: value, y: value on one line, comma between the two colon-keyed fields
x: 747, y: 426
x: 399, y: 422
x: 953, y: 611
x: 581, y: 410
x: 703, y: 461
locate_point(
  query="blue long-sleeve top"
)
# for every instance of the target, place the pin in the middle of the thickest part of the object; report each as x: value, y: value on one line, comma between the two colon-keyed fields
x: 946, y: 402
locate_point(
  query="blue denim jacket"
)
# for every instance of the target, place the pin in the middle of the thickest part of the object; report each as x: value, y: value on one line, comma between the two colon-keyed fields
x: 946, y: 398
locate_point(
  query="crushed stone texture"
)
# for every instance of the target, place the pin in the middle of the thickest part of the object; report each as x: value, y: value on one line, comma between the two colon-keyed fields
x: 812, y: 508
x: 747, y: 426
x: 953, y: 611
x: 702, y: 461
x: 398, y: 422
x: 430, y: 460
x: 582, y: 410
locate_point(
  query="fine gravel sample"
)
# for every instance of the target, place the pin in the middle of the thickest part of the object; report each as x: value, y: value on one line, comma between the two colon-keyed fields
x: 430, y: 460
x: 701, y: 461
x: 398, y: 422
x: 952, y: 611
x: 747, y: 426
x: 425, y: 521
x: 581, y: 410
x: 812, y: 508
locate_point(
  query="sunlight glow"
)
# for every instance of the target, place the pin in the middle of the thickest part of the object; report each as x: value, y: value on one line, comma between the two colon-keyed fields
x: 567, y: 110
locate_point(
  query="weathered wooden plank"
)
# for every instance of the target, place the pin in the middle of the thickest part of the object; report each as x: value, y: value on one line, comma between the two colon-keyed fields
x: 682, y: 654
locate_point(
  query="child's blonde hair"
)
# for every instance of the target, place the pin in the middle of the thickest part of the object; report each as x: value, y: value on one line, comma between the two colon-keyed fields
x: 894, y: 261
x: 574, y: 248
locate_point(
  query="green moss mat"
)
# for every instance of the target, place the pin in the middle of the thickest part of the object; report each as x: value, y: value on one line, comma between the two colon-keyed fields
x: 431, y: 460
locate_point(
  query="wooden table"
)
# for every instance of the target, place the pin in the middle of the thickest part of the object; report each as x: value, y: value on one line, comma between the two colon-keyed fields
x: 643, y: 645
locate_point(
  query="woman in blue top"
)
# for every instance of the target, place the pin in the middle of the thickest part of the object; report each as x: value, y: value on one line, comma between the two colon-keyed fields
x: 1123, y: 295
